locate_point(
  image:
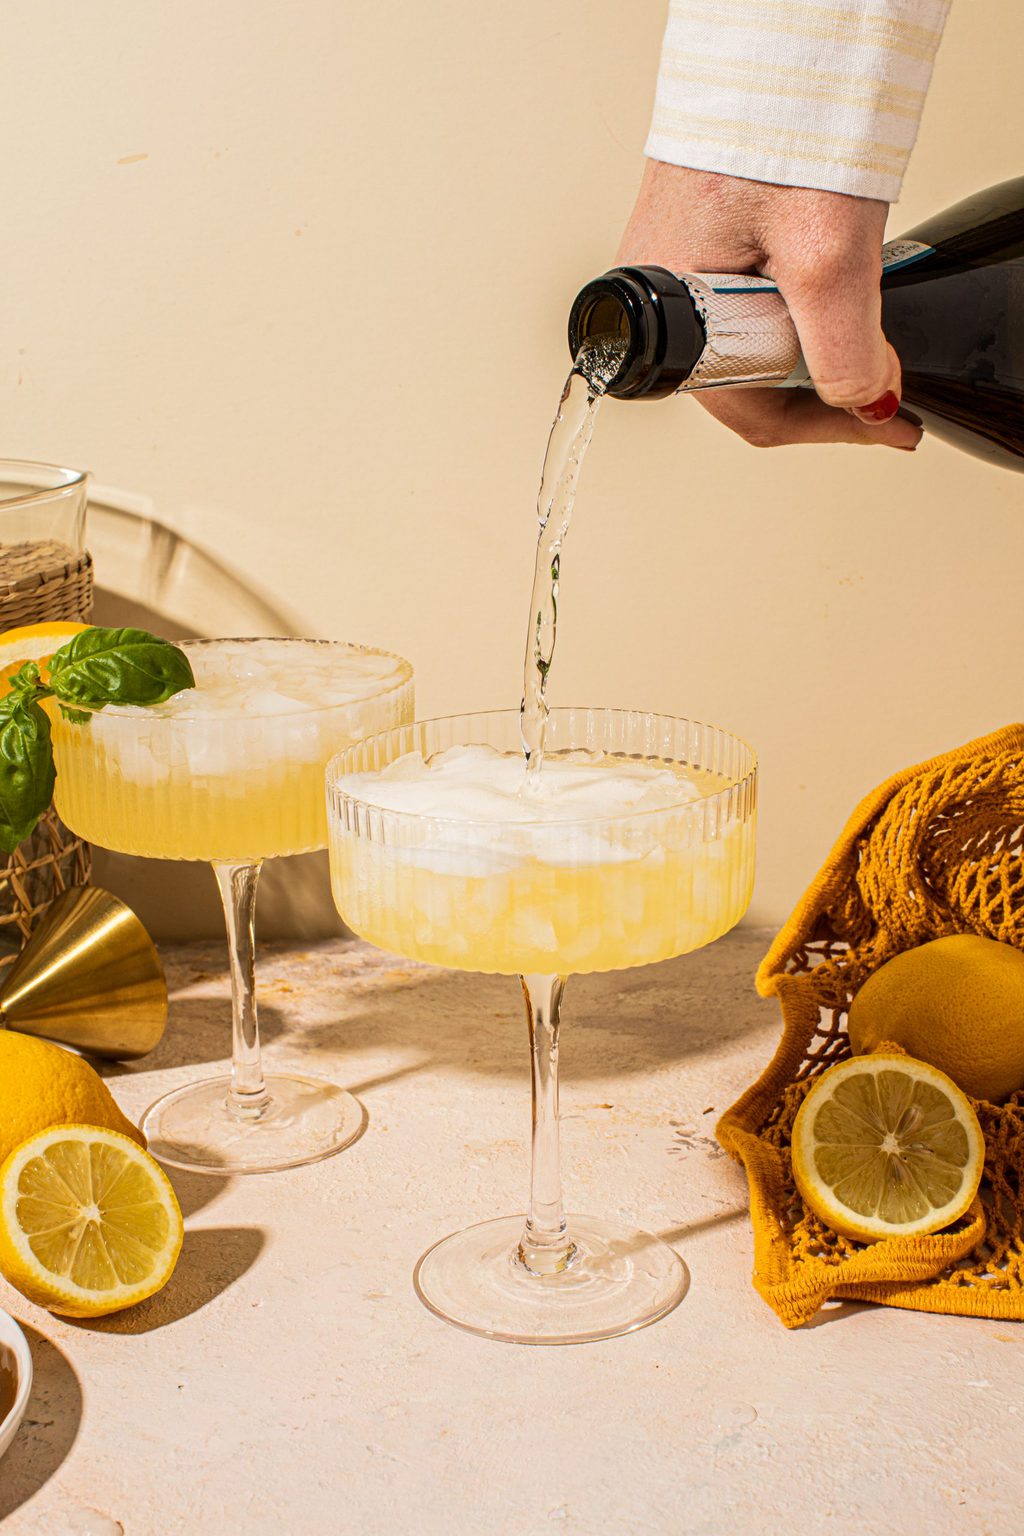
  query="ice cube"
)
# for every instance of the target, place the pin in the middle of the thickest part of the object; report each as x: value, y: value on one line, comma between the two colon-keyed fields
x: 268, y: 701
x: 530, y: 930
x: 140, y: 765
x: 216, y: 748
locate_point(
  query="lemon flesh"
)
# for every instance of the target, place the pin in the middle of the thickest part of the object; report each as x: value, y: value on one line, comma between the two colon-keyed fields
x: 33, y: 642
x: 89, y: 1223
x: 885, y: 1146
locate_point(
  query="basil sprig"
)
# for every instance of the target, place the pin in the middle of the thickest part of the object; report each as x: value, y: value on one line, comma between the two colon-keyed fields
x: 27, y: 773
x: 96, y: 667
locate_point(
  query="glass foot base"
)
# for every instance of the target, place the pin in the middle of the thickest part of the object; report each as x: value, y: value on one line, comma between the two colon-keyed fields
x: 305, y: 1120
x: 620, y: 1280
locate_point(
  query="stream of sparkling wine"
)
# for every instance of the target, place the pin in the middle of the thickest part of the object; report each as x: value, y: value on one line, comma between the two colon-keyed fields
x: 597, y: 363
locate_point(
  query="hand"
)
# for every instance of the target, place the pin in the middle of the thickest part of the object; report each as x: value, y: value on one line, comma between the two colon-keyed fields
x: 823, y: 249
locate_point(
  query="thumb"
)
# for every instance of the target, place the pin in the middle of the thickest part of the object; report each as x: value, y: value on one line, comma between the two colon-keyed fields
x: 837, y: 310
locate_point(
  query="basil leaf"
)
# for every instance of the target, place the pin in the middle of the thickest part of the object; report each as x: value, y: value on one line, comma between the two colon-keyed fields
x: 26, y: 679
x: 26, y: 768
x: 118, y: 666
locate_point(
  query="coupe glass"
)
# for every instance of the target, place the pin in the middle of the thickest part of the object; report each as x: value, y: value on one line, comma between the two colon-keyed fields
x: 234, y: 785
x: 542, y: 899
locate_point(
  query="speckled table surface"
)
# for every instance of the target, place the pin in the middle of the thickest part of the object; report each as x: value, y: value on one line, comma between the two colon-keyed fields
x: 289, y: 1381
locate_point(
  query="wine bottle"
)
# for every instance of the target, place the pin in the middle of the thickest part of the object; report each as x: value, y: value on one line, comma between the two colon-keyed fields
x: 952, y: 307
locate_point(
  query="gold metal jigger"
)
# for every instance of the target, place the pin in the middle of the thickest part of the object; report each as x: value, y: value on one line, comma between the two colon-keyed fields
x: 89, y: 977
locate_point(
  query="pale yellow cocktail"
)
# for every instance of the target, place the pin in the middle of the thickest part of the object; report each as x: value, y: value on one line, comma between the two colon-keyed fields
x: 232, y: 769
x: 604, y: 862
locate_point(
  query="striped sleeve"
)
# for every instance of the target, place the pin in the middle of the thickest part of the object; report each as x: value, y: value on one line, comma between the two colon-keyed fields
x: 807, y: 95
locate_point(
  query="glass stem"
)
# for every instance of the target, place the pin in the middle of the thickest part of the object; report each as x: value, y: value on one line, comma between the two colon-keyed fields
x: 545, y: 1247
x: 248, y: 1096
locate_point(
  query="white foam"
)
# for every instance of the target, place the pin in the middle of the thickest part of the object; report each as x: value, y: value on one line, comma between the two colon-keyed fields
x: 472, y: 811
x: 478, y: 784
x: 273, y: 677
x: 258, y: 707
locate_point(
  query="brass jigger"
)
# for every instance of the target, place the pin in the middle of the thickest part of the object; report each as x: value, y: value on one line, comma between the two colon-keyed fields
x: 89, y: 977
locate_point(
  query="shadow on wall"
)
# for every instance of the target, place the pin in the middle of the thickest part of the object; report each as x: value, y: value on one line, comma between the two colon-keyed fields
x: 152, y: 577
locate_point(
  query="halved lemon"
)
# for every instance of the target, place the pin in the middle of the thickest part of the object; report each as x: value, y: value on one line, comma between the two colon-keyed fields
x: 886, y: 1146
x: 89, y: 1223
x: 32, y: 642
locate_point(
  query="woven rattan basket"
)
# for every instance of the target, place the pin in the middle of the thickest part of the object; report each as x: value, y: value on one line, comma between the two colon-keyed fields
x: 40, y: 580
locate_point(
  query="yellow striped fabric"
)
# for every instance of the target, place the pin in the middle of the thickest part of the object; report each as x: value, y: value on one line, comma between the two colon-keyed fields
x: 809, y: 95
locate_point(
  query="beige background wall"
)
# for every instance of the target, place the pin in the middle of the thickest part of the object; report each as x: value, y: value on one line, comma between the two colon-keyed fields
x: 299, y: 274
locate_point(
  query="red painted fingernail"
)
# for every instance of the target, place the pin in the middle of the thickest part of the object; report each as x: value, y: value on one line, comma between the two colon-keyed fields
x: 880, y: 410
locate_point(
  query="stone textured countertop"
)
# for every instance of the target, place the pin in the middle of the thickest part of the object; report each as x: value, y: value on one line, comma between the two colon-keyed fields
x: 288, y: 1380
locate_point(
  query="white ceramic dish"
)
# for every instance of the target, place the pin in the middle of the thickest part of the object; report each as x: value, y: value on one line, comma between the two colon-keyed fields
x: 15, y: 1379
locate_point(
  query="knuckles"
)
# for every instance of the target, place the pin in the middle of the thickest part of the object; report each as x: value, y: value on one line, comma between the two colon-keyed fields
x: 824, y: 269
x: 824, y: 242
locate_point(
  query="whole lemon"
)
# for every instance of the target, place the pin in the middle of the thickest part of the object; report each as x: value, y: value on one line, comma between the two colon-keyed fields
x: 42, y: 1085
x: 957, y: 1003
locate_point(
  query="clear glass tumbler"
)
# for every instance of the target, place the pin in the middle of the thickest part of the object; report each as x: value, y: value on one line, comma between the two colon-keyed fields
x: 542, y: 899
x: 42, y: 522
x: 232, y: 772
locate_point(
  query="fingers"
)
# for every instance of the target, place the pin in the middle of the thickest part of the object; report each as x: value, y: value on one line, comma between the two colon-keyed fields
x: 832, y: 289
x: 768, y: 418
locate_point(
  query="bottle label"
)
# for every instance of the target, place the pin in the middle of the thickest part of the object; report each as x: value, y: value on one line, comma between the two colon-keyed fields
x: 735, y: 282
x: 896, y: 254
x: 903, y: 253
x: 749, y: 335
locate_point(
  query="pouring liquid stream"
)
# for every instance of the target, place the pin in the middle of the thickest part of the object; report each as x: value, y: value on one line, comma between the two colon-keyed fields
x: 597, y: 362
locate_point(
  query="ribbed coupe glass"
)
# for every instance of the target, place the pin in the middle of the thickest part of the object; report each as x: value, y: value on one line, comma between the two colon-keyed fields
x: 232, y: 772
x: 541, y: 899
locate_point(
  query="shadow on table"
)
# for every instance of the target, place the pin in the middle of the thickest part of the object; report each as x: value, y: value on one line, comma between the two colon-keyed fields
x: 631, y: 1021
x: 691, y: 1228
x: 198, y: 1030
x: 195, y: 1190
x: 835, y: 1311
x: 49, y: 1428
x: 212, y: 1259
x: 380, y: 1080
x: 615, y: 1025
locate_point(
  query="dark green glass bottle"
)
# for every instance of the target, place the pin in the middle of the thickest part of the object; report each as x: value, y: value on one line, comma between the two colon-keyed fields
x: 952, y: 307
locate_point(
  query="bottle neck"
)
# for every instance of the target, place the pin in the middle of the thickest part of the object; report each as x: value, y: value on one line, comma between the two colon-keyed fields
x: 653, y: 312
x: 691, y: 331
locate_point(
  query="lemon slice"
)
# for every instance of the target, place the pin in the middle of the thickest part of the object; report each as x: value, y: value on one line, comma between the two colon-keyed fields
x: 32, y: 642
x: 88, y: 1221
x: 886, y: 1146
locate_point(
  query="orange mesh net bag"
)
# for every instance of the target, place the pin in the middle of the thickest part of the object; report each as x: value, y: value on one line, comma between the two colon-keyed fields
x: 937, y: 850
